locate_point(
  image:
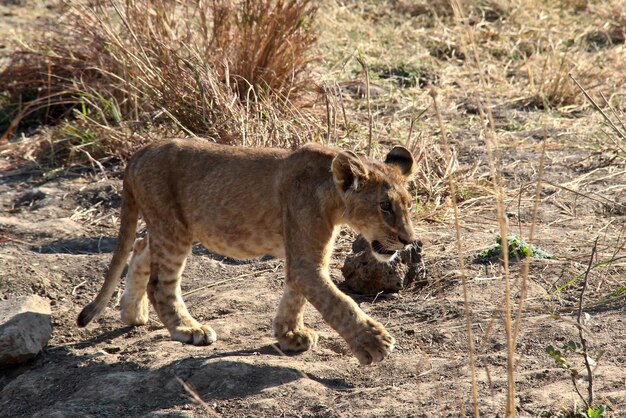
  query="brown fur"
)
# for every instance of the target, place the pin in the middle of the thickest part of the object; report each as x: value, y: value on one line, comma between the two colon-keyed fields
x: 246, y: 203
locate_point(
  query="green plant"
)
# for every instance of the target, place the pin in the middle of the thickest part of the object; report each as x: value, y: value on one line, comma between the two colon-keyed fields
x: 517, y: 248
x: 593, y: 412
x: 571, y: 347
x: 581, y: 348
x: 560, y: 357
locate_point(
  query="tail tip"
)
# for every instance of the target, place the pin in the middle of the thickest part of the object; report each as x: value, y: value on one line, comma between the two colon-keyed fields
x: 85, y: 316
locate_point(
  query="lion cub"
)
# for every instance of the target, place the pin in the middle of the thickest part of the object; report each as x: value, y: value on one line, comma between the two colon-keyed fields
x: 245, y: 203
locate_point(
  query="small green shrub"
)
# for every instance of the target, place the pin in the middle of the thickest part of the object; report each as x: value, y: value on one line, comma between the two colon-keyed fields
x: 517, y: 249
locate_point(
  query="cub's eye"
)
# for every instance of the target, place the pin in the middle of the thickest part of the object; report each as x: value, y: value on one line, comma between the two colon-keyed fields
x: 385, y: 206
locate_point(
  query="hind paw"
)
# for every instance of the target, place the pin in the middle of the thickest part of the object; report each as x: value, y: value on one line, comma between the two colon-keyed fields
x: 300, y: 339
x: 196, y: 335
x: 134, y: 313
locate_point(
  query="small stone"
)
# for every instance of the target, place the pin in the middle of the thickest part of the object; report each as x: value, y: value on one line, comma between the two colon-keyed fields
x: 113, y: 349
x: 29, y: 198
x: 25, y: 328
x: 611, y: 36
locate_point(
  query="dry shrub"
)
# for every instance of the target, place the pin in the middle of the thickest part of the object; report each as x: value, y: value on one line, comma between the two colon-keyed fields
x: 264, y: 43
x: 433, y: 174
x: 550, y: 86
x: 226, y: 69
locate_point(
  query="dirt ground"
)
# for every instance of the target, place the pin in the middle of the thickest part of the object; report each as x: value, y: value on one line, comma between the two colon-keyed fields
x: 57, y: 236
x: 58, y: 228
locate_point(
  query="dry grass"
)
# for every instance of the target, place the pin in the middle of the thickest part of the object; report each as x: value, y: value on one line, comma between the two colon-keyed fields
x: 525, y: 51
x: 549, y: 84
x: 228, y: 70
x: 459, y: 248
x: 614, y: 119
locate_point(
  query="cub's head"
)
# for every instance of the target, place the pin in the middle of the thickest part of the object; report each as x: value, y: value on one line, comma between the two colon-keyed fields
x: 376, y: 199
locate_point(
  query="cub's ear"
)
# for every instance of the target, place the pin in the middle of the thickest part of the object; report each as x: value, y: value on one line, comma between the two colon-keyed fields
x: 403, y: 160
x: 348, y: 171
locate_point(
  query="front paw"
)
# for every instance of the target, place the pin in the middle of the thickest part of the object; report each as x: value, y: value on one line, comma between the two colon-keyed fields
x: 372, y: 344
x: 300, y: 339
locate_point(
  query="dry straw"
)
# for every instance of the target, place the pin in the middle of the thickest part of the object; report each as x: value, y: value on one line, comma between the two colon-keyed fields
x: 233, y: 71
x: 459, y: 245
x: 363, y: 64
x: 491, y: 140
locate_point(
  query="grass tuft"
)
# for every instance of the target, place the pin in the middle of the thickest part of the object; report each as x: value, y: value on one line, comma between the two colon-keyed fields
x: 228, y: 70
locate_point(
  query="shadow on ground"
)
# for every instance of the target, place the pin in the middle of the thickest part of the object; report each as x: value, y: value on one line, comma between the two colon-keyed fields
x: 83, y: 245
x: 64, y: 382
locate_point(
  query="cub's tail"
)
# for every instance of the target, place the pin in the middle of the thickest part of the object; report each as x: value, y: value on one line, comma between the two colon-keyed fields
x: 128, y: 225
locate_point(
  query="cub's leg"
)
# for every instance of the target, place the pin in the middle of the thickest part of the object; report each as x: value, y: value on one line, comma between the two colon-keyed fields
x: 134, y: 302
x: 307, y: 273
x: 367, y: 338
x: 289, y: 326
x: 168, y: 261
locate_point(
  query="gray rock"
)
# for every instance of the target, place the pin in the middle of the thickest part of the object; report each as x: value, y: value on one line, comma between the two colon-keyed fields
x: 364, y: 274
x: 25, y: 328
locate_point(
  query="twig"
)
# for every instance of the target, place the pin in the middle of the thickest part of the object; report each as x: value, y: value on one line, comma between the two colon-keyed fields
x: 75, y: 288
x: 49, y: 95
x: 613, y: 111
x: 328, y: 115
x: 619, y: 246
x: 369, y: 107
x: 93, y: 162
x: 343, y: 108
x: 409, y: 137
x: 232, y: 279
x: 578, y: 390
x: 196, y: 398
x: 583, y: 340
x: 377, y: 295
x: 609, y: 121
x: 459, y: 248
x: 599, y: 199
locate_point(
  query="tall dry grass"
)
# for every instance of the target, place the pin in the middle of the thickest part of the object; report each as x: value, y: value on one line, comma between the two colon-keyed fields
x: 492, y: 149
x: 228, y: 70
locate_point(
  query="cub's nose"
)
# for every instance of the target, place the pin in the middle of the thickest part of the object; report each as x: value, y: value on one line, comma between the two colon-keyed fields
x: 407, y: 238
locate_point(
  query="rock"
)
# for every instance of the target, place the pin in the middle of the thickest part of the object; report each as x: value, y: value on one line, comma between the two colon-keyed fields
x: 25, y: 328
x: 611, y: 36
x: 365, y: 275
x: 358, y: 89
x: 29, y: 198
